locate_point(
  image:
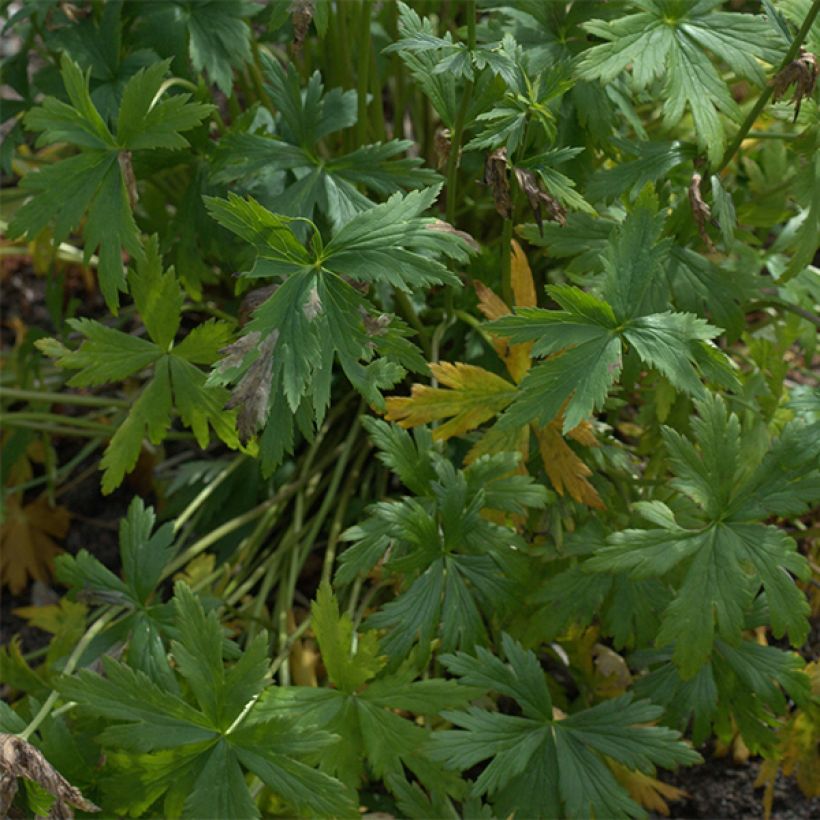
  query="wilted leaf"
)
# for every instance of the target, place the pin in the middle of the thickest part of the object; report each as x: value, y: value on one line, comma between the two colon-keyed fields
x: 650, y: 792
x: 475, y: 396
x: 18, y: 758
x: 27, y: 546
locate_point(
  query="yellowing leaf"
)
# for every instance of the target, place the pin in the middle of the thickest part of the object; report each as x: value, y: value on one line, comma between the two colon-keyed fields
x: 515, y: 357
x: 523, y: 286
x: 27, y: 546
x: 565, y: 469
x: 650, y: 792
x: 798, y: 749
x: 475, y: 396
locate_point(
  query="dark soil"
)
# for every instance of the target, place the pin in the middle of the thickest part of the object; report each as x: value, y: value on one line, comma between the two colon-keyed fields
x: 723, y: 790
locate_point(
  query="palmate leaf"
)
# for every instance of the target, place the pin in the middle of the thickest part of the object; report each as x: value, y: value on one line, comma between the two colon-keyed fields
x: 317, y: 316
x: 362, y: 711
x: 458, y: 568
x: 107, y: 355
x: 584, y: 341
x: 96, y: 181
x: 742, y: 686
x: 195, y: 755
x: 472, y: 395
x: 544, y: 765
x: 316, y: 182
x: 675, y: 40
x: 727, y: 556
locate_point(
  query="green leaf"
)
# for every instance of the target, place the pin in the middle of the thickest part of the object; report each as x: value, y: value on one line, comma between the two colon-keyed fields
x: 197, y: 755
x: 408, y: 458
x: 98, y: 181
x: 149, y: 416
x: 157, y: 295
x: 537, y: 741
x: 347, y: 669
x: 674, y: 41
x: 106, y: 355
x: 219, y: 38
x: 316, y: 315
x: 726, y: 555
x: 315, y: 182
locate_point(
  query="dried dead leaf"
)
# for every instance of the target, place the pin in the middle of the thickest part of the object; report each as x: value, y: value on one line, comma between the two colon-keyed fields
x: 537, y: 198
x: 18, y: 758
x: 130, y: 180
x: 495, y: 175
x: 567, y: 472
x: 301, y: 13
x: 27, y: 545
x: 252, y: 393
x: 701, y: 212
x: 802, y: 73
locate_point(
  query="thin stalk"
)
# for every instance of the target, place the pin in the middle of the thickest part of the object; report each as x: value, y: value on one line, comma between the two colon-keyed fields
x: 377, y: 106
x: 341, y: 510
x: 364, y: 46
x: 74, y: 421
x: 406, y: 310
x: 205, y: 494
x: 69, y: 667
x: 54, y: 429
x: 769, y: 89
x: 18, y: 394
x: 456, y: 139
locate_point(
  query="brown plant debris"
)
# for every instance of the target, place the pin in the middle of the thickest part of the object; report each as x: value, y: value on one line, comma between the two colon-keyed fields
x: 18, y: 758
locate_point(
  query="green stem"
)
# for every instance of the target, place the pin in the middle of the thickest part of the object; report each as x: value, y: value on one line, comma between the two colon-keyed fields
x: 364, y: 45
x: 18, y: 394
x: 406, y: 310
x: 206, y: 493
x: 69, y: 667
x: 769, y: 90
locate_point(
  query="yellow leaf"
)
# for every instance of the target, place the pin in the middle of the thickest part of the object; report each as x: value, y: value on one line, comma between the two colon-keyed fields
x: 515, y: 357
x: 27, y: 546
x: 613, y: 675
x: 502, y: 441
x: 521, y: 278
x: 650, y: 792
x: 565, y: 469
x: 475, y: 396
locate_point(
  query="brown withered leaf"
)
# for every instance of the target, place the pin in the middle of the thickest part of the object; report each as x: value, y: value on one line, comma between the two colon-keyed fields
x: 127, y: 169
x: 446, y: 227
x: 301, y: 13
x: 539, y: 199
x: 252, y: 300
x: 701, y: 212
x: 495, y: 175
x: 252, y: 393
x: 27, y: 545
x: 802, y: 73
x: 471, y: 396
x: 442, y: 143
x: 650, y: 792
x: 18, y: 758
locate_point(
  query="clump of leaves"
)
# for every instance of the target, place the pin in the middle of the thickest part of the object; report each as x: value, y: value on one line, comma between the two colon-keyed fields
x: 107, y: 355
x: 99, y: 182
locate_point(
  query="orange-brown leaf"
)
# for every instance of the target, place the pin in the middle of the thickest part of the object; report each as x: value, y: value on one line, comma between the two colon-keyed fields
x: 650, y: 792
x: 27, y: 546
x: 474, y: 396
x: 565, y: 469
x: 523, y: 286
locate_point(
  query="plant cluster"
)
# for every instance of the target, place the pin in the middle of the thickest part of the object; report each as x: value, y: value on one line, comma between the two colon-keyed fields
x: 454, y: 363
